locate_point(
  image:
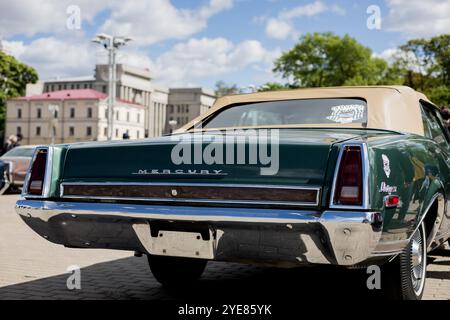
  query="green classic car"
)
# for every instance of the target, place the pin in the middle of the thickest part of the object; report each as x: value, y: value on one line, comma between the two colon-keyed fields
x: 348, y: 176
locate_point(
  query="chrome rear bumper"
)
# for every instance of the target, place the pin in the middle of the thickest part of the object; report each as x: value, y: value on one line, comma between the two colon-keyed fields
x: 273, y: 236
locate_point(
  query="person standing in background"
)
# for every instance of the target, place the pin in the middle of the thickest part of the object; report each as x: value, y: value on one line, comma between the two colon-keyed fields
x: 445, y: 114
x: 10, y: 144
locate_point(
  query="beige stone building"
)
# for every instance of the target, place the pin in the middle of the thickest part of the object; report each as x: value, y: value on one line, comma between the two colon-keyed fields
x: 133, y: 85
x: 71, y: 116
x: 186, y: 104
x: 161, y: 107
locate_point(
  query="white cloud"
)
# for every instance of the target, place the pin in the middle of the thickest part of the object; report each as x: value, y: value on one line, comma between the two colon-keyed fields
x: 147, y: 21
x: 388, y: 54
x: 44, y: 16
x: 205, y: 57
x: 279, y: 29
x: 14, y: 48
x: 417, y: 18
x: 152, y: 21
x: 52, y: 57
x: 282, y: 27
x: 307, y: 10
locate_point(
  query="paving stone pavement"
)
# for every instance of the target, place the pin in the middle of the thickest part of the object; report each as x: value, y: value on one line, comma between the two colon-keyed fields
x: 33, y: 268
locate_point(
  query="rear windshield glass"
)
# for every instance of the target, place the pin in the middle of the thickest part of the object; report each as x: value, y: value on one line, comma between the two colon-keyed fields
x: 295, y: 112
x: 20, y: 152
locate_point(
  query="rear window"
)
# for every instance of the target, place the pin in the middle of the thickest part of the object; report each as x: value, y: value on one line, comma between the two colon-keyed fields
x: 20, y: 152
x: 294, y: 112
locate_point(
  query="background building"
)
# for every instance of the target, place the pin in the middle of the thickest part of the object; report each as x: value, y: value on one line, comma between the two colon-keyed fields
x: 134, y: 85
x: 81, y: 116
x: 134, y: 88
x: 186, y: 104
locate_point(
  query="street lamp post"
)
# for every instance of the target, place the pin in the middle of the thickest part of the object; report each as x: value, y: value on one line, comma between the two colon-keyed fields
x: 53, y: 108
x: 111, y: 43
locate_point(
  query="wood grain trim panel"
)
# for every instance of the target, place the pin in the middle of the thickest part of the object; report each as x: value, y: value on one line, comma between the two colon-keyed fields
x: 177, y: 192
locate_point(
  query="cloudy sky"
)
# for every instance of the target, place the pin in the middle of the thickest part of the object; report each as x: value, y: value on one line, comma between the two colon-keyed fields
x: 198, y: 42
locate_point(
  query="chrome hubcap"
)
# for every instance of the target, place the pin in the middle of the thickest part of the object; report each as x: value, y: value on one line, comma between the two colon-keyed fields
x: 418, y: 263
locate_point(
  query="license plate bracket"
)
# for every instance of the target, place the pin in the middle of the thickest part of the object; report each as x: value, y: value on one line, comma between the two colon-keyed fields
x: 182, y: 244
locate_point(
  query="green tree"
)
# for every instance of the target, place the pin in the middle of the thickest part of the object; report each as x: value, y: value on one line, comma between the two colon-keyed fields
x: 224, y: 89
x: 325, y: 59
x: 425, y: 66
x: 274, y: 86
x: 14, y: 76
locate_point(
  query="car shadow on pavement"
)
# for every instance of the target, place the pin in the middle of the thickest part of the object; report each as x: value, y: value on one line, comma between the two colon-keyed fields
x: 130, y: 278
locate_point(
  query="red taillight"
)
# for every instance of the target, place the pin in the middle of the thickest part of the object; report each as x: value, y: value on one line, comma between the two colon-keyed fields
x: 391, y: 201
x: 37, y: 173
x: 348, y: 190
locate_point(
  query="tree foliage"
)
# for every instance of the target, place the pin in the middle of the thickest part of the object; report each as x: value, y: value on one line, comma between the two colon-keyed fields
x: 425, y: 66
x: 224, y: 89
x: 325, y: 59
x: 14, y: 77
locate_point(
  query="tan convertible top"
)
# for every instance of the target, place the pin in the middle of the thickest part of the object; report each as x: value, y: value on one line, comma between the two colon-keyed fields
x: 389, y: 107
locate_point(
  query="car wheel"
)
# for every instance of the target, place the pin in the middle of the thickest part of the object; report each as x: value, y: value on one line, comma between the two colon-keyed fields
x: 174, y: 271
x: 404, y: 278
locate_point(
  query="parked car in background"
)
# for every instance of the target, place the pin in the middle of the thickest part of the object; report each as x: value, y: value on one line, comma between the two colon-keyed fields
x: 362, y: 178
x: 13, y: 167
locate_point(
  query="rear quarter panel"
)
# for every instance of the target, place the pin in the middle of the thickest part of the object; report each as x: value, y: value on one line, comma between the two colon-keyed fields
x: 413, y: 167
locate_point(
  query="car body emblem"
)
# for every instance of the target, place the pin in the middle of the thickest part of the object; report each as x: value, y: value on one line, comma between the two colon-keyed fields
x: 174, y: 192
x: 386, y: 165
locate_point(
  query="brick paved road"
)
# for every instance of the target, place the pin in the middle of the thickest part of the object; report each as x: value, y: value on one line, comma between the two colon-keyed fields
x: 32, y: 268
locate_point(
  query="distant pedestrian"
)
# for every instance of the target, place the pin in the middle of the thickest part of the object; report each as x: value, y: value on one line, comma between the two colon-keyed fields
x: 126, y: 136
x: 445, y: 114
x: 10, y: 144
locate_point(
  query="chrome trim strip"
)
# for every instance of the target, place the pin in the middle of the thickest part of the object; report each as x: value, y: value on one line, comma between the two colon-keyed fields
x: 6, y: 182
x: 47, y: 176
x: 48, y: 209
x: 231, y: 185
x: 433, y: 199
x: 365, y: 174
x: 316, y: 203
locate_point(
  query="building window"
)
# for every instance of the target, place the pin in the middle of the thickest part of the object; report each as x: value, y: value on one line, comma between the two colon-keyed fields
x: 65, y: 87
x: 89, y: 131
x: 117, y: 133
x: 19, y: 130
x: 138, y: 134
x: 55, y: 114
x: 38, y: 131
x: 19, y: 113
x: 128, y: 116
x: 187, y: 108
x: 105, y: 132
x: 39, y: 113
x: 178, y: 108
x: 139, y: 118
x: 89, y: 112
x: 72, y: 112
x: 117, y: 115
x: 71, y: 131
x: 78, y: 86
x: 59, y: 87
x: 85, y: 86
x: 104, y: 89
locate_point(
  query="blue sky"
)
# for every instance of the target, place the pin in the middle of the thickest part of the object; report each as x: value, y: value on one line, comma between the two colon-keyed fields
x: 197, y: 43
